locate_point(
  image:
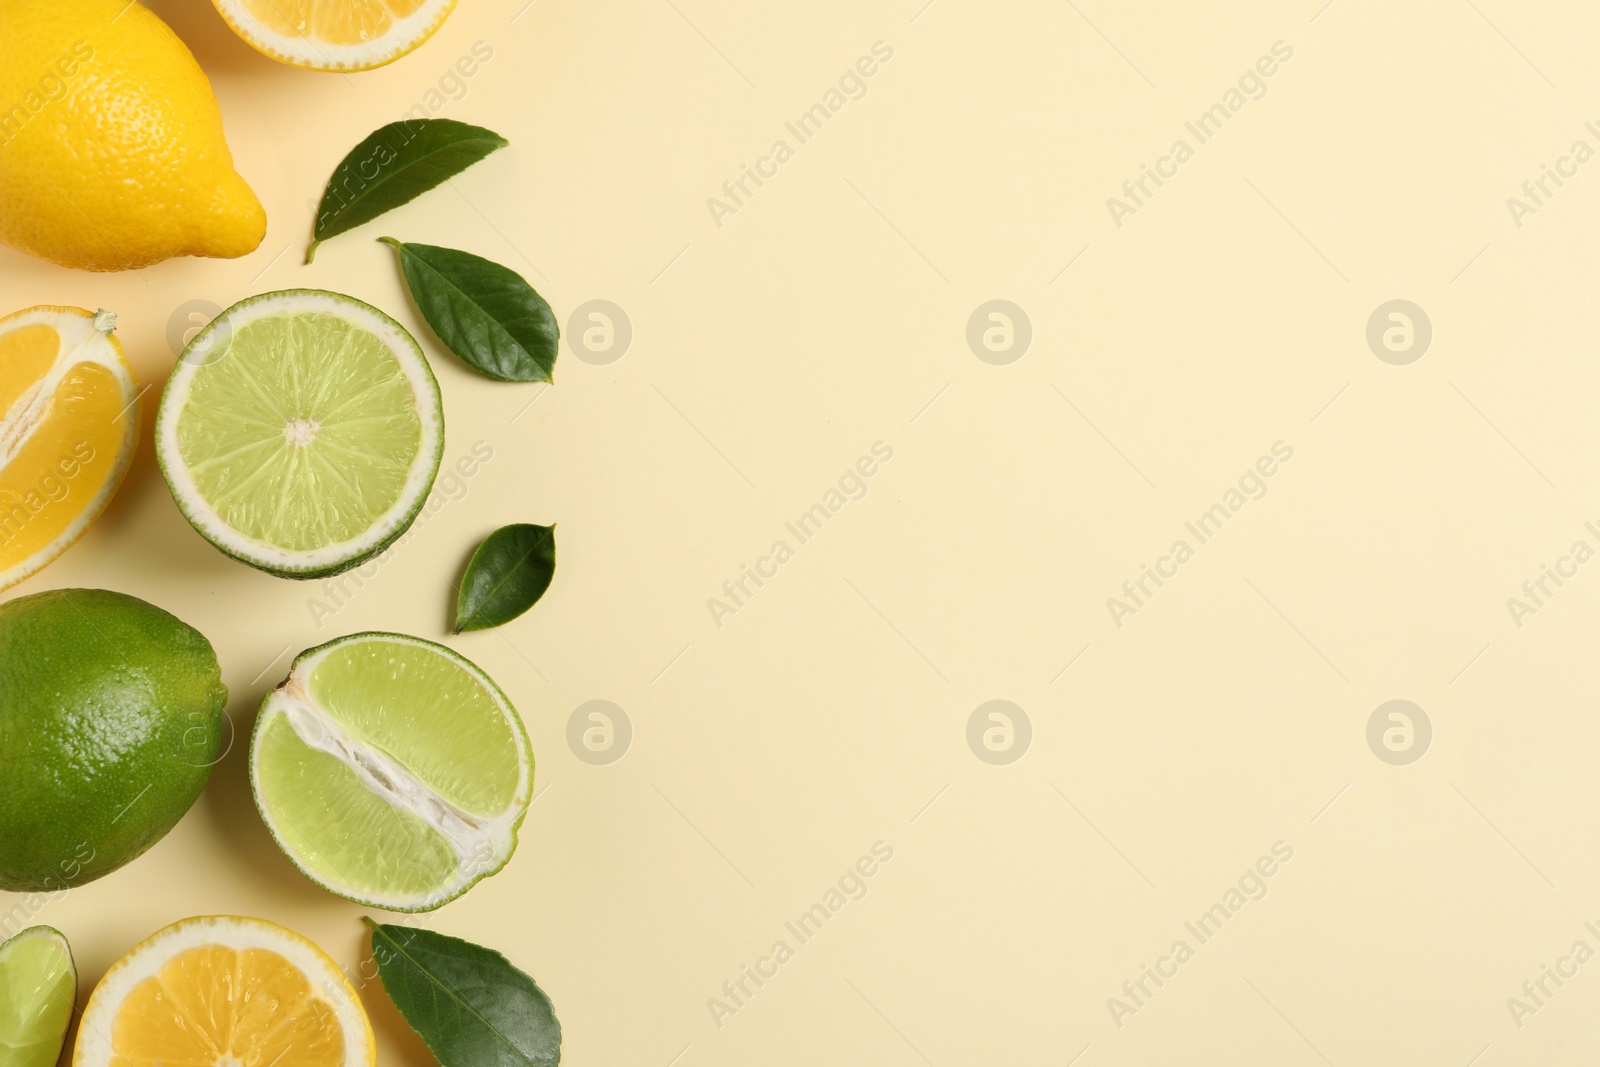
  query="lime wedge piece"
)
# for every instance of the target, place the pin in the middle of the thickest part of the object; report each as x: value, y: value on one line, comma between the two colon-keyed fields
x: 38, y: 989
x: 300, y: 432
x: 391, y: 770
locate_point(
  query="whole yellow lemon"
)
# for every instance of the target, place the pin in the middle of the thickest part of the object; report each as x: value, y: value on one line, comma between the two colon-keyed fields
x: 111, y: 148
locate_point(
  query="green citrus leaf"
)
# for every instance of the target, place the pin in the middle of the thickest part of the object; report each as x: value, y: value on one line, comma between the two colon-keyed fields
x: 471, y: 1006
x: 396, y: 164
x: 483, y: 312
x: 506, y: 576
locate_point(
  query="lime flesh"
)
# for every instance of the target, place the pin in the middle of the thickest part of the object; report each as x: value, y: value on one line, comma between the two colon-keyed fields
x: 391, y: 771
x: 38, y: 988
x: 292, y: 452
x: 300, y: 432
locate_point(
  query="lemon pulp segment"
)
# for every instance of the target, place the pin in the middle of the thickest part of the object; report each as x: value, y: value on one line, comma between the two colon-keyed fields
x: 335, y: 34
x: 333, y: 21
x: 213, y: 1004
x: 224, y: 991
x: 68, y: 426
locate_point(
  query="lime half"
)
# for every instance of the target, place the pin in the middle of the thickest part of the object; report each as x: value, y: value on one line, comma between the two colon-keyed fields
x: 300, y: 432
x: 391, y: 770
x: 38, y: 989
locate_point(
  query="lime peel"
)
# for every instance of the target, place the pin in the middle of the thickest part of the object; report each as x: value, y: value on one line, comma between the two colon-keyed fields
x: 235, y: 439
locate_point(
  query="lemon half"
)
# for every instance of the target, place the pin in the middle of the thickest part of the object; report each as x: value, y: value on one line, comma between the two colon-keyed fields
x: 225, y: 990
x: 335, y: 34
x: 69, y: 421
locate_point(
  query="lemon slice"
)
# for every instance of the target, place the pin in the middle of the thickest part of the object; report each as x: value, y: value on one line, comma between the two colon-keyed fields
x: 224, y: 990
x: 391, y: 770
x: 69, y: 420
x: 335, y: 34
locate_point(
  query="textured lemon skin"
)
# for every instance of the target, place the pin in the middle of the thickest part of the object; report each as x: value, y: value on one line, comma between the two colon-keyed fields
x: 112, y: 154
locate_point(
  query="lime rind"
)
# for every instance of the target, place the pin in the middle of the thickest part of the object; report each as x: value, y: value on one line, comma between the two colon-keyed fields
x: 36, y: 1009
x: 480, y: 844
x: 209, y: 346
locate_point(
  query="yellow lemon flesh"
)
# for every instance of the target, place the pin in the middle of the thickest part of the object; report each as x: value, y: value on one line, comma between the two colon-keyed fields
x: 69, y: 421
x: 111, y: 148
x: 229, y: 992
x: 335, y: 34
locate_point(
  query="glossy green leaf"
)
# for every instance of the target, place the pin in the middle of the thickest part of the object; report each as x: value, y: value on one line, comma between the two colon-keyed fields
x: 485, y: 313
x: 507, y: 575
x: 396, y: 164
x: 471, y: 1006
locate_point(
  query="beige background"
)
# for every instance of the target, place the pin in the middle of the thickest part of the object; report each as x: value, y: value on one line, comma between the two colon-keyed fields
x: 831, y: 712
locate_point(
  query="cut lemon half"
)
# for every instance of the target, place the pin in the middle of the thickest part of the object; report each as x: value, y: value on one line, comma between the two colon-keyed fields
x: 391, y: 770
x: 38, y: 989
x: 300, y: 432
x: 222, y: 990
x: 69, y: 421
x: 335, y: 34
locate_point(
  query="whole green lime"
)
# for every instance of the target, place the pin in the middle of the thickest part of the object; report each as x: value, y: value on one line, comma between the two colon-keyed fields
x: 110, y: 720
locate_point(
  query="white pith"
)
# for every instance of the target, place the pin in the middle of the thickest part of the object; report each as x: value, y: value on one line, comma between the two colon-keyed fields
x: 419, y: 479
x: 403, y: 35
x: 302, y: 431
x: 149, y: 956
x: 82, y: 341
x: 482, y: 844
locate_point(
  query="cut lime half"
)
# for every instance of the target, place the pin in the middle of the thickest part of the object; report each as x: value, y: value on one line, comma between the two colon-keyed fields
x: 38, y: 989
x: 300, y: 432
x: 391, y: 770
